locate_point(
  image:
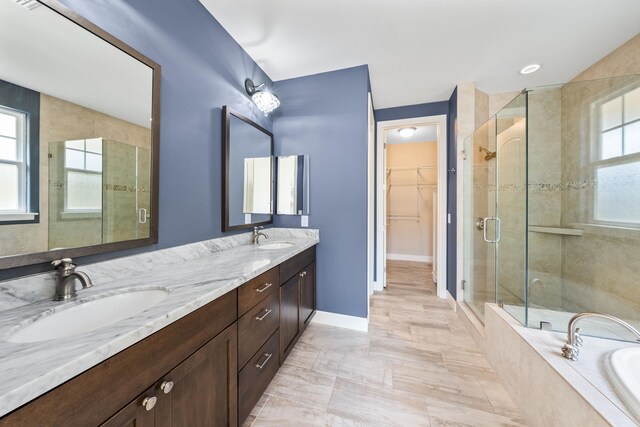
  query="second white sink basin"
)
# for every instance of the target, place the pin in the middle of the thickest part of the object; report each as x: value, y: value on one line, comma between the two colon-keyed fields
x: 275, y: 245
x: 88, y: 316
x: 623, y: 369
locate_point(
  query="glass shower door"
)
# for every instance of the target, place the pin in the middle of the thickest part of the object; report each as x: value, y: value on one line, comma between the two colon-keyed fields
x: 511, y: 165
x: 480, y: 223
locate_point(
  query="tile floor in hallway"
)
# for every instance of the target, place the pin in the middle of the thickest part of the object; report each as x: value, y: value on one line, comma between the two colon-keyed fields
x: 417, y: 366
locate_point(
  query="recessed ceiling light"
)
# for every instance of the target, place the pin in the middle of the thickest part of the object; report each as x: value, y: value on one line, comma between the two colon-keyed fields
x: 532, y: 68
x: 406, y: 132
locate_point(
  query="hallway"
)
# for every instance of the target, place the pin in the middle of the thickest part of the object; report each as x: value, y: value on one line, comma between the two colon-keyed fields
x: 417, y: 366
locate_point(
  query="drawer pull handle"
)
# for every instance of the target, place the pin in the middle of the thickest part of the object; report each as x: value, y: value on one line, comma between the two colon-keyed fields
x: 166, y: 386
x: 261, y: 365
x: 149, y: 402
x: 267, y: 311
x: 264, y: 288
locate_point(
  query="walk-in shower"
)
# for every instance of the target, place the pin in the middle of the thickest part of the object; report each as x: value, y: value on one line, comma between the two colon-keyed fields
x: 552, y: 220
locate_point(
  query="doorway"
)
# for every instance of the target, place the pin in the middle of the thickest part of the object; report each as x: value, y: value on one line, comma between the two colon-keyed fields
x: 411, y: 200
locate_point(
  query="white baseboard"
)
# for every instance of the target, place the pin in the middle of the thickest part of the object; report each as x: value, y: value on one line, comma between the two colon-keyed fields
x: 341, y: 321
x: 415, y: 258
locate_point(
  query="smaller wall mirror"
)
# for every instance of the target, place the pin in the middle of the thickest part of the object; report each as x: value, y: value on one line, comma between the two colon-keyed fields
x: 247, y: 173
x: 293, y: 185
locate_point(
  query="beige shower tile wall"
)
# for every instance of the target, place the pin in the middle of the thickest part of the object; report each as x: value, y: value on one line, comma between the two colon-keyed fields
x: 600, y: 269
x: 59, y: 121
x: 545, y: 174
x: 411, y: 238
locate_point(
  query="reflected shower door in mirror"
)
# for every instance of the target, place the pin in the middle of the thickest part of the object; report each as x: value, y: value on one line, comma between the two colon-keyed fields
x: 247, y: 174
x: 293, y: 185
x: 79, y: 124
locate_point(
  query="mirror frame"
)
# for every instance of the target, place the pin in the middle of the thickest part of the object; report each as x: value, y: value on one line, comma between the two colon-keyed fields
x: 226, y: 133
x: 48, y: 256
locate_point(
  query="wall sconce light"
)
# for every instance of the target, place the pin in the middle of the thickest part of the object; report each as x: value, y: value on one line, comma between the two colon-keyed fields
x: 264, y: 99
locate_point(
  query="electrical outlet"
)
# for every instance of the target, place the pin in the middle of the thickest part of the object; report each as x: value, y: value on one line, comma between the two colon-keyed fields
x: 304, y: 221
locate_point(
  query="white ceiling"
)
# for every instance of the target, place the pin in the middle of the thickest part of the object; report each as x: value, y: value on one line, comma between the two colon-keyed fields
x: 46, y: 52
x: 422, y: 134
x: 418, y: 50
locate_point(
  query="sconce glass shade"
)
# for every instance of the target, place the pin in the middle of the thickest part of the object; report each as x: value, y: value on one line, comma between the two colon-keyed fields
x: 264, y: 100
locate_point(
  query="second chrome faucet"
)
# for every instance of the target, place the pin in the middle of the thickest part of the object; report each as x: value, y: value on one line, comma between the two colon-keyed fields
x: 66, y: 279
x: 255, y: 236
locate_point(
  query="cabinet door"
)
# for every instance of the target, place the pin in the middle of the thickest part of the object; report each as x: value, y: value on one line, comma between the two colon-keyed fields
x: 289, y: 315
x: 202, y: 390
x: 139, y: 413
x: 307, y: 293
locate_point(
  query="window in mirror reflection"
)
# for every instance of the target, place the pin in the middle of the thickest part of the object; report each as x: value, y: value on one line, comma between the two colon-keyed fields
x: 13, y: 162
x: 83, y: 175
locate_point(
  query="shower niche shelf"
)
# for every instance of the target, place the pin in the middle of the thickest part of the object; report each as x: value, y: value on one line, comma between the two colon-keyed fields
x: 556, y: 230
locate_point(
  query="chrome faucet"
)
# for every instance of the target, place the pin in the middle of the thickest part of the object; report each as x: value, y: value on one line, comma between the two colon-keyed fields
x: 255, y: 236
x: 66, y: 279
x: 571, y: 349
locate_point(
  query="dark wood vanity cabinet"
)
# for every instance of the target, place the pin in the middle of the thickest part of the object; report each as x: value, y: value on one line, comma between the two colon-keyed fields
x: 297, y: 298
x: 207, y: 369
x: 198, y: 392
x: 289, y: 315
x: 307, y: 294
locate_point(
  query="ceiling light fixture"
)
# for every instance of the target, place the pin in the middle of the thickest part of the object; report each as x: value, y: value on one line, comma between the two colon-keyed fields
x: 406, y: 132
x: 531, y: 68
x: 264, y: 99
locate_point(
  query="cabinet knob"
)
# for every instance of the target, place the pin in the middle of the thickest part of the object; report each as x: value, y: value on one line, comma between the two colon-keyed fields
x: 149, y: 402
x: 166, y: 386
x: 304, y: 273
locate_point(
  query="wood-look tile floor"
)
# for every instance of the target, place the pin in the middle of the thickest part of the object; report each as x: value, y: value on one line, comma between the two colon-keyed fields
x: 417, y: 366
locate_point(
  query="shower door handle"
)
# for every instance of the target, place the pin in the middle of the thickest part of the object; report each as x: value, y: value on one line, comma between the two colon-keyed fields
x: 142, y: 216
x: 484, y: 229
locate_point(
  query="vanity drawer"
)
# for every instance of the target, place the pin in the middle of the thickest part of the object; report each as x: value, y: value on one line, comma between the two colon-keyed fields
x: 292, y: 266
x: 255, y: 327
x: 257, y: 289
x: 254, y: 378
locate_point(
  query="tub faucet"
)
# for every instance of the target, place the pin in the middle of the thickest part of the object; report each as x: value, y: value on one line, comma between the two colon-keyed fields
x: 255, y: 236
x: 66, y: 279
x: 574, y: 341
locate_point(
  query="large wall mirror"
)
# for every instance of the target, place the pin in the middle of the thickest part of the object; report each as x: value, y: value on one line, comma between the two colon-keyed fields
x: 79, y: 137
x: 247, y: 173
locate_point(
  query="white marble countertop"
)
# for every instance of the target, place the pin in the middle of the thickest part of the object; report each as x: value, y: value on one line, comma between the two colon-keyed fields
x: 193, y: 274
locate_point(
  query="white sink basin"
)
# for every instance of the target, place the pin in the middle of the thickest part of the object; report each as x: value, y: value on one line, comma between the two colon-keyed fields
x: 275, y: 245
x: 88, y: 316
x: 623, y: 369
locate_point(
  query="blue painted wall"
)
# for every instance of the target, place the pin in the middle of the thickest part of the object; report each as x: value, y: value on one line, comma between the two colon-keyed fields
x: 203, y: 68
x: 325, y: 116
x: 452, y: 158
x: 410, y: 111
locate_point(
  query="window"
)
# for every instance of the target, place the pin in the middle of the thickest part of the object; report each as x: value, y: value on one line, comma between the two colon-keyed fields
x: 83, y: 176
x: 617, y: 164
x: 13, y: 163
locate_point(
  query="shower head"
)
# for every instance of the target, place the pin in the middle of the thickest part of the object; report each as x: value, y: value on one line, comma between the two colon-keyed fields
x: 490, y: 154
